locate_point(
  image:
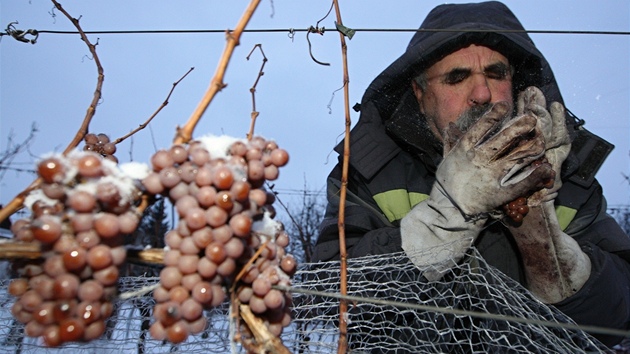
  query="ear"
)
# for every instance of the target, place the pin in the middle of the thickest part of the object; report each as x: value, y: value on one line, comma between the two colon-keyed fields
x: 417, y: 91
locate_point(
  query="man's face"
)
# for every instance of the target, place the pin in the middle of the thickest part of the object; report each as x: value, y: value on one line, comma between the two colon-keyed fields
x: 466, y: 79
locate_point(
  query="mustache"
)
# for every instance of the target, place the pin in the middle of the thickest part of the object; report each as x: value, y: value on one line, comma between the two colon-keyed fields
x: 471, y: 116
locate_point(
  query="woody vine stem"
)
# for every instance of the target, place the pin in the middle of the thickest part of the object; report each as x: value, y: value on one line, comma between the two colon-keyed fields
x: 343, y: 304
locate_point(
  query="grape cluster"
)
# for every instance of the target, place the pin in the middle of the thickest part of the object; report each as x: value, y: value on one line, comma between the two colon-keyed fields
x: 516, y: 209
x: 100, y: 144
x: 84, y: 206
x: 225, y: 217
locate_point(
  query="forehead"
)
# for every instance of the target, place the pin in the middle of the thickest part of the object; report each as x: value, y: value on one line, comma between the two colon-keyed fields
x: 472, y: 57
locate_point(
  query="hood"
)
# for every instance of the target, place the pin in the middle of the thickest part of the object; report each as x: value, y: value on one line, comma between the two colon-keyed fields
x: 447, y: 28
x: 450, y: 27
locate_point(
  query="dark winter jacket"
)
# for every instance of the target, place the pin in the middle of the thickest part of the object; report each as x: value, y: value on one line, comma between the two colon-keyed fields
x: 394, y: 156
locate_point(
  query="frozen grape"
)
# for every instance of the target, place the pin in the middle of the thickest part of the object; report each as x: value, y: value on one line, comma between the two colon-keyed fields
x: 178, y: 153
x: 46, y: 228
x: 106, y: 225
x: 216, y: 216
x: 170, y: 277
x: 90, y: 165
x: 71, y: 330
x: 51, y: 170
x: 241, y: 225
x: 75, y: 258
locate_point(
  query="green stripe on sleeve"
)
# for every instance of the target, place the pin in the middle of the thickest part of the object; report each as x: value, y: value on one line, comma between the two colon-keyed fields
x: 565, y: 216
x: 396, y: 203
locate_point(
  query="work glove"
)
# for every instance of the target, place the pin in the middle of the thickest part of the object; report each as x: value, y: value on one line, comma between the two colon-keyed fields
x: 481, y: 170
x: 557, y: 141
x: 484, y: 169
x: 554, y: 264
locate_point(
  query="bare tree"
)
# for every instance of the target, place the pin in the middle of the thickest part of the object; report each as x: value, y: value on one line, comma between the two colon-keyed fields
x: 303, y: 223
x: 13, y: 149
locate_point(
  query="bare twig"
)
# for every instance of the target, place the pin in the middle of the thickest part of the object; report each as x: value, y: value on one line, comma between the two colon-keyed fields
x: 18, y: 201
x: 255, y: 113
x: 164, y: 104
x: 184, y: 134
x: 343, y: 305
x: 266, y: 342
x: 99, y: 83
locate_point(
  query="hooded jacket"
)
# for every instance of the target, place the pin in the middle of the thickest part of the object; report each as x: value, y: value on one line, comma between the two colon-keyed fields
x: 393, y: 158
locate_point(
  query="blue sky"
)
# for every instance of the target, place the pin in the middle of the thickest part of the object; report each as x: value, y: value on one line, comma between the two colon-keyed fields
x: 52, y: 82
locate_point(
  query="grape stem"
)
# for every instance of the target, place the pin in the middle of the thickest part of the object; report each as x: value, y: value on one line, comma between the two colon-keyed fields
x: 245, y: 267
x: 184, y: 134
x: 265, y: 341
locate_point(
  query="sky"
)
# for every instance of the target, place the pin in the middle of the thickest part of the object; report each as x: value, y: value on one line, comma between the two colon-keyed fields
x: 52, y: 82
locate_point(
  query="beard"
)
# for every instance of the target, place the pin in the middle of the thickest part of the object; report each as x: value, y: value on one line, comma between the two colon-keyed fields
x: 471, y: 116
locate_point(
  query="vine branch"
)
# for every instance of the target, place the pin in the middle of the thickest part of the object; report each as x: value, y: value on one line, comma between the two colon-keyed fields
x: 17, y: 202
x: 342, y: 346
x: 253, y: 90
x: 184, y: 134
x: 164, y: 104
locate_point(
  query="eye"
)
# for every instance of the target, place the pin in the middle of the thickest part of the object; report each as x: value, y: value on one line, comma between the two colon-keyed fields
x: 456, y: 76
x: 498, y: 72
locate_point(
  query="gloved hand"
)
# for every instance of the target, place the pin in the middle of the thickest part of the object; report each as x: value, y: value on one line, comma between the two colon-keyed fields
x: 483, y: 169
x: 557, y: 141
x: 480, y: 171
x: 554, y: 264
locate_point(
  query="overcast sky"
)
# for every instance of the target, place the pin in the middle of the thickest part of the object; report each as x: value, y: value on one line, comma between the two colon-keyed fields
x: 51, y: 83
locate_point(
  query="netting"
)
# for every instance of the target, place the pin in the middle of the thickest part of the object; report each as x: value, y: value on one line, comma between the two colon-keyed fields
x: 473, y: 309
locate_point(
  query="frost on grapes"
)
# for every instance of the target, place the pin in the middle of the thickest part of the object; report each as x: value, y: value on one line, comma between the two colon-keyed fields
x: 83, y: 207
x: 226, y: 242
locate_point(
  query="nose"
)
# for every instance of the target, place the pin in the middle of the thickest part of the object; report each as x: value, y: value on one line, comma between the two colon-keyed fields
x: 480, y: 92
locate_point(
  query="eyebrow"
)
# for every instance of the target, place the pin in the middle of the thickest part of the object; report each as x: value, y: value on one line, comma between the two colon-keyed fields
x: 499, y: 67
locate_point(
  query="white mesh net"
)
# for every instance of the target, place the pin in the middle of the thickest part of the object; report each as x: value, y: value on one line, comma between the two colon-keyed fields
x: 474, y: 309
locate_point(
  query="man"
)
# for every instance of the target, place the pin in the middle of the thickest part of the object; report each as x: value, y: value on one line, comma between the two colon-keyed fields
x: 458, y: 126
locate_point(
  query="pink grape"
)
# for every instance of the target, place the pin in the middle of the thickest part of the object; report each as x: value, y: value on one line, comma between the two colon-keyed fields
x: 106, y: 225
x: 170, y: 277
x: 261, y: 286
x: 66, y: 286
x: 191, y: 309
x: 206, y: 268
x: 241, y: 225
x: 178, y: 332
x: 216, y: 216
x: 188, y: 246
x: 216, y: 252
x: 169, y: 176
x: 46, y: 228
x: 206, y: 195
x: 51, y: 170
x: 274, y: 299
x: 279, y: 157
x: 153, y: 184
x: 90, y: 165
x: 178, y: 153
x: 161, y: 159
x: 223, y: 177
x: 178, y: 294
x: 128, y: 222
x: 188, y: 264
x: 54, y: 190
x: 99, y: 257
x: 195, y: 218
x: 202, y: 293
x: 82, y: 201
